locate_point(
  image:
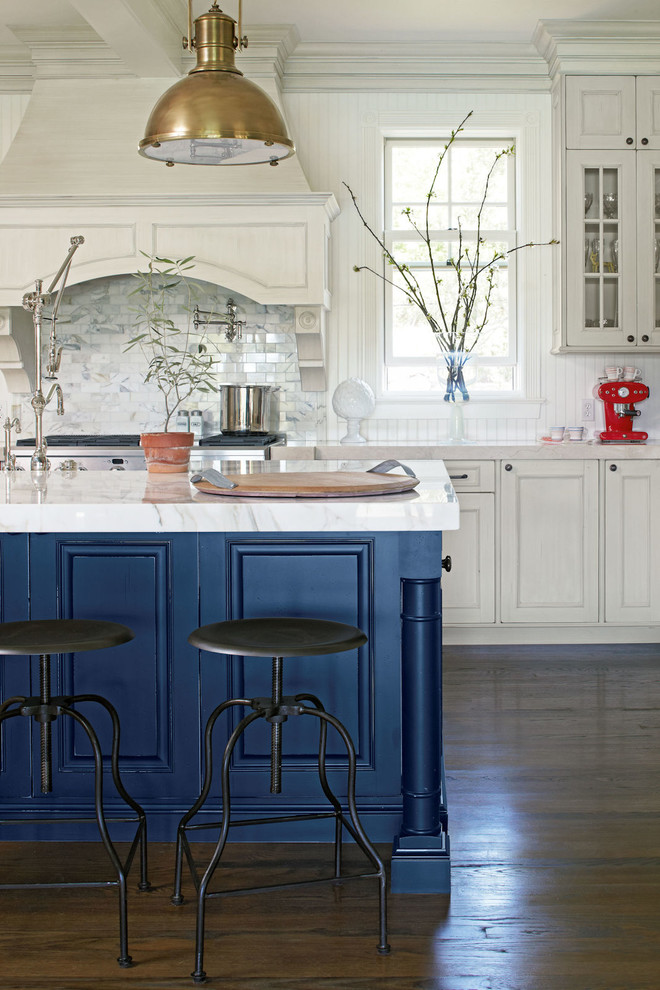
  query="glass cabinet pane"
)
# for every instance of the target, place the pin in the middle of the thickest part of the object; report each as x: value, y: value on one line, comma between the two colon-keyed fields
x: 601, y: 246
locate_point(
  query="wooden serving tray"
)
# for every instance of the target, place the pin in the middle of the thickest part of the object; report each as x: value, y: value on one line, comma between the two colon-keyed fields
x: 307, y: 484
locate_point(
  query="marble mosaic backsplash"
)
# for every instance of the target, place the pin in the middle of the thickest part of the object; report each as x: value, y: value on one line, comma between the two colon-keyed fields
x: 103, y: 384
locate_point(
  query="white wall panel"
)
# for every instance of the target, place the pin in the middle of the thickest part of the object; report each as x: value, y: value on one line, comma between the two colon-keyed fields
x: 12, y: 108
x: 335, y: 134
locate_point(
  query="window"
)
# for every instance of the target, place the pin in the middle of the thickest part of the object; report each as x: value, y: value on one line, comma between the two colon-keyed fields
x: 412, y: 362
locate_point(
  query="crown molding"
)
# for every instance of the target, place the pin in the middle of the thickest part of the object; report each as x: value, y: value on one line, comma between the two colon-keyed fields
x: 72, y: 52
x: 16, y: 70
x: 315, y: 200
x: 599, y: 47
x: 423, y: 66
x: 76, y: 52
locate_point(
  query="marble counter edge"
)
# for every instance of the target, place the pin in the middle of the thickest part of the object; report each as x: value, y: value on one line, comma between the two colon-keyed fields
x: 470, y: 452
x: 132, y: 502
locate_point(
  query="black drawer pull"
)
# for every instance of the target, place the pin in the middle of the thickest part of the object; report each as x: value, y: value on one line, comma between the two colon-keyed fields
x: 458, y: 477
x: 446, y: 563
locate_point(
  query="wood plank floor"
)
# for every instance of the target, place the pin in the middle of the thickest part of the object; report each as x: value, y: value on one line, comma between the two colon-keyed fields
x: 552, y: 770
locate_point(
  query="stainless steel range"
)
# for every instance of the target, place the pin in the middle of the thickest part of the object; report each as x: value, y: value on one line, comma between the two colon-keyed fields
x: 122, y: 452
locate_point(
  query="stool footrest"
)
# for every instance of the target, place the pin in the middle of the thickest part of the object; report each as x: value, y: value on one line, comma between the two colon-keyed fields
x: 291, y: 884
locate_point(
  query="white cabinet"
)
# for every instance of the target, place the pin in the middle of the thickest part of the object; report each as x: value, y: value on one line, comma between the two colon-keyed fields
x: 613, y: 112
x: 468, y: 590
x: 632, y: 541
x: 600, y: 250
x: 611, y: 214
x: 549, y: 541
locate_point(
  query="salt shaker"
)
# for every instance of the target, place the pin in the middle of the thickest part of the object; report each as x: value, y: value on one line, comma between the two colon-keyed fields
x: 196, y: 423
x: 182, y: 421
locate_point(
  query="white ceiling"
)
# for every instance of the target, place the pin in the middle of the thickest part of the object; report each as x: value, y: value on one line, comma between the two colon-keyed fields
x: 338, y: 21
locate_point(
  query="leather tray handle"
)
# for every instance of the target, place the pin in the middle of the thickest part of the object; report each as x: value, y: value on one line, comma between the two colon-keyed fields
x: 386, y: 466
x: 214, y: 478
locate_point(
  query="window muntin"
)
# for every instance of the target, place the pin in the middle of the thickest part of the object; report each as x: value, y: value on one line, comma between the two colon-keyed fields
x: 412, y: 362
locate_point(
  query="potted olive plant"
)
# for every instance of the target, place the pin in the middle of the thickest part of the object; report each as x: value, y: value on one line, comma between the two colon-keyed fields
x: 178, y: 359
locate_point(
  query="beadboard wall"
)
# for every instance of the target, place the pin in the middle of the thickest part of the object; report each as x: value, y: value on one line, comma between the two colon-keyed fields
x: 335, y: 134
x: 103, y: 384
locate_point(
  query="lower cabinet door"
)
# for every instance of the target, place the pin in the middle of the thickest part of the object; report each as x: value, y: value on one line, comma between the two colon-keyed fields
x: 468, y: 590
x: 549, y: 541
x: 148, y: 583
x: 632, y: 536
x: 351, y: 580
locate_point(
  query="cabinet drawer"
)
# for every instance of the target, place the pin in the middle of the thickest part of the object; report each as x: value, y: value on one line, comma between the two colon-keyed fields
x: 472, y: 476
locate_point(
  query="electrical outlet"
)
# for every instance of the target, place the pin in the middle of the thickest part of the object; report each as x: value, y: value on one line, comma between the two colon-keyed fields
x: 587, y: 409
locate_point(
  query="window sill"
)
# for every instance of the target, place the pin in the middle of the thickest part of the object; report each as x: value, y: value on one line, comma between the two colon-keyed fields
x: 406, y: 407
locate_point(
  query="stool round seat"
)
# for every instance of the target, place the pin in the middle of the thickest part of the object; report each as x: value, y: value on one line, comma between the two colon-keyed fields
x: 46, y: 636
x: 277, y: 636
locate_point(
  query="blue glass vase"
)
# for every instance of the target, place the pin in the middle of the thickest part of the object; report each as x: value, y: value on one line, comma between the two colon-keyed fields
x: 456, y: 387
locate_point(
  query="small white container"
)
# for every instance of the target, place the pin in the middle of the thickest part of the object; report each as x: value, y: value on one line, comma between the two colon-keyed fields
x: 557, y: 433
x: 182, y: 421
x: 575, y: 432
x: 196, y: 423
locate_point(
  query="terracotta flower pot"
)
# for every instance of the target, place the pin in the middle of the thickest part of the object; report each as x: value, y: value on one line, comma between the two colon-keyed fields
x: 167, y: 453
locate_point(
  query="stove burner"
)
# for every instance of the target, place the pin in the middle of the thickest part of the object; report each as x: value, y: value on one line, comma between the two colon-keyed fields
x: 240, y: 440
x: 236, y: 440
x: 85, y: 440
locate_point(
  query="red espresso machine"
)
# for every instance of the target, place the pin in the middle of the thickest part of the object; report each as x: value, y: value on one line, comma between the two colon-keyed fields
x: 620, y: 399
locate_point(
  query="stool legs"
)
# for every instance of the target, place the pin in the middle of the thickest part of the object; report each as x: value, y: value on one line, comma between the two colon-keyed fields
x: 45, y: 709
x: 275, y: 710
x: 355, y: 825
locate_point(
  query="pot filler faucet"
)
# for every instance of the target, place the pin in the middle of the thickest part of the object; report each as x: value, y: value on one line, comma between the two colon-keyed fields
x: 232, y: 326
x: 35, y: 302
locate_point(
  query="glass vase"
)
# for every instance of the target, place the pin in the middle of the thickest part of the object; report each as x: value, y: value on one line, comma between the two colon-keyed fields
x: 450, y: 370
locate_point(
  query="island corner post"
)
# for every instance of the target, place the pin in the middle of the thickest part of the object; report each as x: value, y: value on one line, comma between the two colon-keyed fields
x: 420, y: 854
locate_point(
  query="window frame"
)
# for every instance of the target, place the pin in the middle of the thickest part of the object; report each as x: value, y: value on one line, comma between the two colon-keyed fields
x: 528, y: 118
x: 508, y: 235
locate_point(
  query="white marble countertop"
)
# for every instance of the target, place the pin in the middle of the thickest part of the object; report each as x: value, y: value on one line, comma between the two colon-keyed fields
x: 135, y: 501
x: 475, y: 451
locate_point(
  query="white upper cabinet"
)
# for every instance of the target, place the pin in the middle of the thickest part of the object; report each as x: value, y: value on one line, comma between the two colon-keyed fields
x: 612, y: 113
x: 611, y: 214
x: 600, y: 112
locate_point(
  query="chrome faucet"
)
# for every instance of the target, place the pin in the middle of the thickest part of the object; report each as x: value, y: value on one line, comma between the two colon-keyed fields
x: 9, y: 463
x: 232, y: 326
x: 35, y: 302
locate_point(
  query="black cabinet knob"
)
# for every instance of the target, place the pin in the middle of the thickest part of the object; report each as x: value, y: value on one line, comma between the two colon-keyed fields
x: 630, y: 339
x: 446, y: 563
x: 645, y: 338
x: 630, y: 141
x: 508, y: 467
x: 645, y: 141
x: 612, y: 467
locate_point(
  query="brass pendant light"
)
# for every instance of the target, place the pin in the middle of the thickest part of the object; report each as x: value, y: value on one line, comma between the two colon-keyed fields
x: 214, y: 115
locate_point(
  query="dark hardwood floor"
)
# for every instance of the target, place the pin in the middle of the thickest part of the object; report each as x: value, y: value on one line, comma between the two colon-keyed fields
x: 552, y: 773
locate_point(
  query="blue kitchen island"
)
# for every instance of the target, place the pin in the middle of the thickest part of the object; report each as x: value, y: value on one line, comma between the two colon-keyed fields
x: 162, y: 558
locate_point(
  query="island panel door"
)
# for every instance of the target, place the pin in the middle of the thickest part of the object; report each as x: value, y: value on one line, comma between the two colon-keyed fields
x: 150, y: 585
x: 352, y: 580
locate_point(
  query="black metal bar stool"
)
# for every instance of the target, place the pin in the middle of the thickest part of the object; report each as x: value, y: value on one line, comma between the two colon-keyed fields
x: 44, y: 638
x: 276, y: 638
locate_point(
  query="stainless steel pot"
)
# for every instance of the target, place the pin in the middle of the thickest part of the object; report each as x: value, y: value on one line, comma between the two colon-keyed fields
x: 245, y: 408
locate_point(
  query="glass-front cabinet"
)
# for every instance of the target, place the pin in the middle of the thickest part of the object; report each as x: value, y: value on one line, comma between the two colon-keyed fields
x: 612, y: 250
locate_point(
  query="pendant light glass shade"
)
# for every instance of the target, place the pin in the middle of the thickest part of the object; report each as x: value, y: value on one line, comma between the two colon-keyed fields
x: 215, y: 116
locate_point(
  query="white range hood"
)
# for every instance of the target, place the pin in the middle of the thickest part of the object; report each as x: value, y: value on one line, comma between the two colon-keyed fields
x: 73, y: 168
